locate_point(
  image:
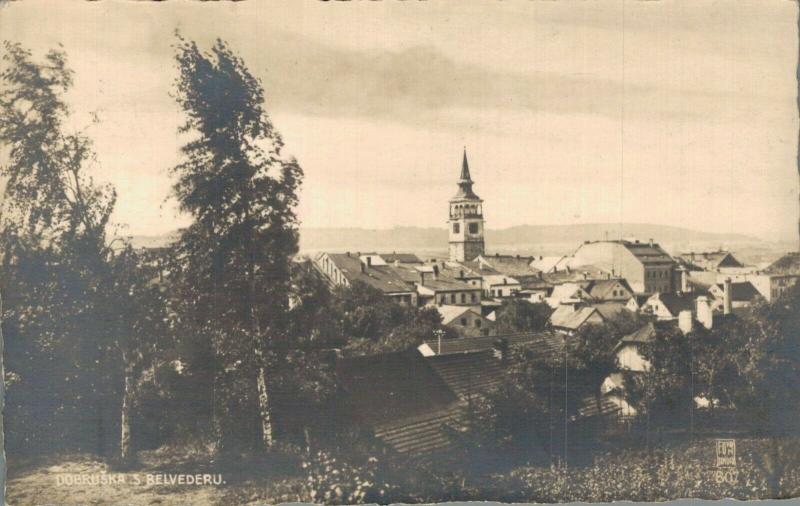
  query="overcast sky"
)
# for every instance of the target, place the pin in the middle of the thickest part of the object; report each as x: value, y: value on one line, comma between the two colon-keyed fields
x: 573, y: 111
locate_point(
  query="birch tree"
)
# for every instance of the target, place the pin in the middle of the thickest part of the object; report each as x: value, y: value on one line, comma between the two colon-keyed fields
x: 241, y: 191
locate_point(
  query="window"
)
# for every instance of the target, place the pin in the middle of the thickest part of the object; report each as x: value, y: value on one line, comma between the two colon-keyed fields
x: 464, y: 322
x: 453, y: 298
x: 473, y: 297
x: 456, y: 228
x: 463, y: 298
x: 473, y: 228
x: 478, y: 323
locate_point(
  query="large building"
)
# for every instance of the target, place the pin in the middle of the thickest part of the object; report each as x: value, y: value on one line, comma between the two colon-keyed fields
x: 645, y: 265
x: 466, y: 220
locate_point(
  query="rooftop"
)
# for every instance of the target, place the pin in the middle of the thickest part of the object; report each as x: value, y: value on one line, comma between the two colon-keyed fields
x: 511, y: 265
x: 565, y: 317
x: 711, y: 260
x: 542, y: 342
x: 787, y: 264
x: 385, y: 278
x: 677, y: 302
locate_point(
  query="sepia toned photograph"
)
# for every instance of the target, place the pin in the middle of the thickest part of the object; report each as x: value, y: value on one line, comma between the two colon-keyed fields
x: 399, y: 251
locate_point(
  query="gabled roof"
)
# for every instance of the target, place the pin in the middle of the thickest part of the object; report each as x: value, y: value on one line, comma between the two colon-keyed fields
x: 742, y: 291
x: 787, y: 264
x: 402, y: 398
x: 643, y: 335
x: 385, y: 278
x: 711, y: 260
x: 601, y: 288
x: 541, y: 342
x: 639, y: 298
x: 468, y: 374
x: 609, y: 310
x: 568, y: 291
x: 646, y: 333
x: 565, y: 317
x: 675, y: 303
x: 451, y: 313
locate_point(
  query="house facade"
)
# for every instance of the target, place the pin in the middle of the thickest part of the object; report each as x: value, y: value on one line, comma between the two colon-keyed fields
x: 644, y: 265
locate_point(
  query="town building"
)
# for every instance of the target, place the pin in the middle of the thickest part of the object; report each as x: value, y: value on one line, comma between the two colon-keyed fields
x: 667, y: 306
x: 500, y: 286
x: 778, y: 277
x: 466, y: 321
x: 645, y: 265
x: 465, y: 223
x: 742, y: 294
x: 344, y: 269
x: 570, y: 318
x: 715, y: 261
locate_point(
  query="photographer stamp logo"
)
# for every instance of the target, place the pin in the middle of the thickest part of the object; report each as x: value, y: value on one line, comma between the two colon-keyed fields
x: 726, y: 461
x: 726, y: 453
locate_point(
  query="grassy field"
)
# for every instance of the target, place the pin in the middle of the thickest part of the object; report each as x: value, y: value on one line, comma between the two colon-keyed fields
x: 686, y: 469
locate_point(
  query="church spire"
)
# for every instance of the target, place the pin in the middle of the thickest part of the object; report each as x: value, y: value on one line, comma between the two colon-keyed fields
x: 465, y: 182
x: 465, y: 168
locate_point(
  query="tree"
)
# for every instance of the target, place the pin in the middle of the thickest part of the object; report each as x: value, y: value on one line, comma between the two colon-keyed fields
x: 522, y: 316
x: 62, y: 318
x: 241, y: 191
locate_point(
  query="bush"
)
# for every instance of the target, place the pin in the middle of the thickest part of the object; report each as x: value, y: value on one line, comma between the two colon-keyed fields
x: 333, y: 481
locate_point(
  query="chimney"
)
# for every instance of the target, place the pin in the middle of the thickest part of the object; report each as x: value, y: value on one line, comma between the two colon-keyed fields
x: 585, y: 275
x: 704, y: 315
x: 684, y: 273
x: 348, y: 253
x: 363, y: 268
x: 727, y: 298
x: 435, y: 272
x: 541, y: 275
x: 461, y: 274
x: 651, y: 242
x: 422, y: 278
x: 685, y: 321
x: 505, y: 281
x: 369, y: 262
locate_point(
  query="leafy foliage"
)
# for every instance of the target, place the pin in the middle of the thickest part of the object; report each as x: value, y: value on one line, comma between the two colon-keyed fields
x: 519, y: 315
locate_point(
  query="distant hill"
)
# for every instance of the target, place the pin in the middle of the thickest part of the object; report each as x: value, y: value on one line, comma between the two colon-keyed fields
x: 524, y: 239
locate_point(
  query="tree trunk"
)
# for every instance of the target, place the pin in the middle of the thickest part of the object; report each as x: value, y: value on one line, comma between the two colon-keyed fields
x: 264, y: 409
x: 125, y: 417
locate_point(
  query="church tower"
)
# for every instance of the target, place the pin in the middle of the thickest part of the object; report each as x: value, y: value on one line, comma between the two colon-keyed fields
x: 466, y: 219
